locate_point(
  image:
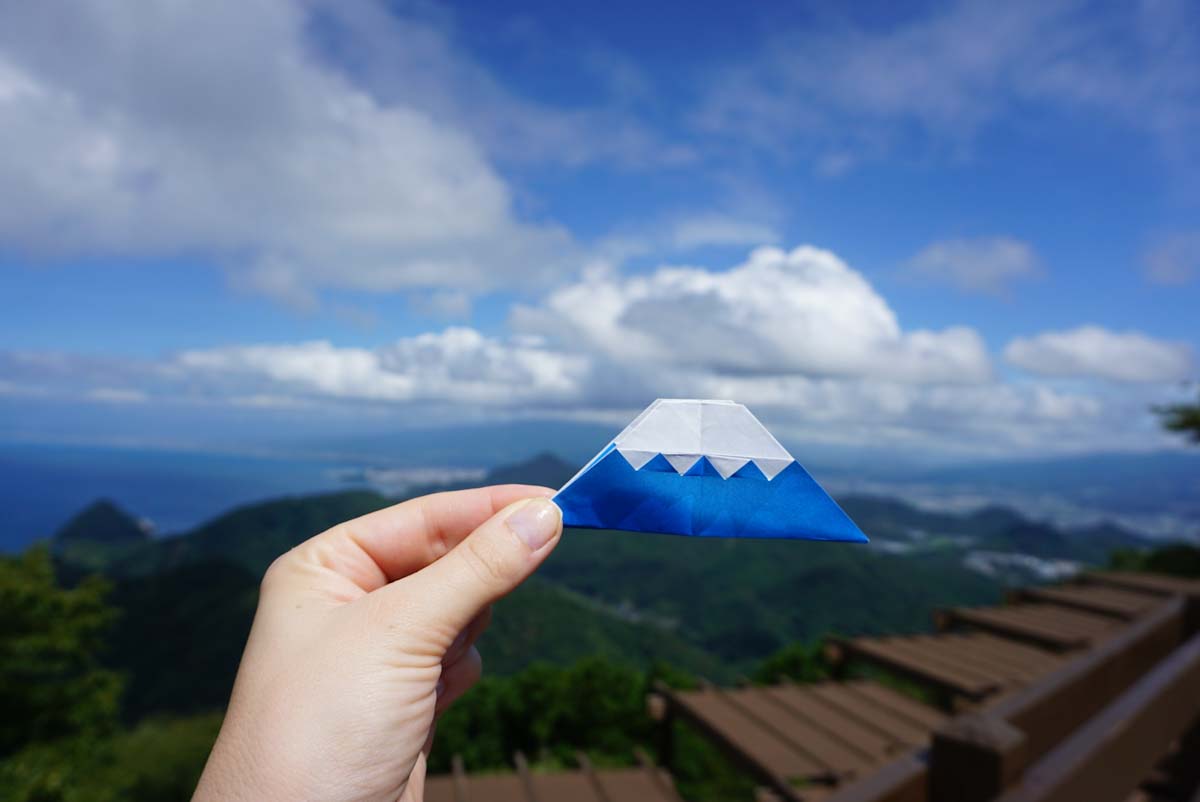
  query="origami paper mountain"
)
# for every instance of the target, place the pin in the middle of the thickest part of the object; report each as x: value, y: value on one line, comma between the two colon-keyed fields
x: 704, y: 468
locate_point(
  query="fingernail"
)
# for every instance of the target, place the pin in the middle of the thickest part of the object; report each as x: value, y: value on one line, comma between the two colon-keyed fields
x: 440, y: 688
x: 535, y: 522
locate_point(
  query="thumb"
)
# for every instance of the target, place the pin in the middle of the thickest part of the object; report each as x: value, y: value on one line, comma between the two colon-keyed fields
x: 447, y: 594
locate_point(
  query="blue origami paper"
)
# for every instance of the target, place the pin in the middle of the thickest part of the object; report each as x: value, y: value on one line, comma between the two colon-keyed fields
x: 702, y: 468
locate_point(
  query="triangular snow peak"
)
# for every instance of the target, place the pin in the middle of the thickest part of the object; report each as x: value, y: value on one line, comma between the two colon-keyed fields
x: 684, y: 430
x: 681, y: 462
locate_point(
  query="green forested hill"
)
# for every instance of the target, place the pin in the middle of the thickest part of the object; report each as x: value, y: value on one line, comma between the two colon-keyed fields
x: 179, y: 636
x: 97, y: 534
x: 181, y: 633
x: 250, y: 536
x: 544, y: 621
x: 102, y: 522
x: 743, y: 599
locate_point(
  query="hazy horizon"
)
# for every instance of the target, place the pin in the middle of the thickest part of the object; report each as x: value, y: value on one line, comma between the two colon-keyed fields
x: 176, y: 488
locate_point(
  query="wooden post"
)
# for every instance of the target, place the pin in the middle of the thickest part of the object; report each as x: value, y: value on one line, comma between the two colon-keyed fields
x: 943, y: 621
x: 836, y: 656
x: 974, y: 758
x: 1191, y: 613
x: 460, y: 778
x: 589, y: 771
x: 526, y: 776
x: 661, y: 711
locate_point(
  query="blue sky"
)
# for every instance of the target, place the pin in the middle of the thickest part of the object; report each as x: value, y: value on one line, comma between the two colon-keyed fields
x: 955, y: 227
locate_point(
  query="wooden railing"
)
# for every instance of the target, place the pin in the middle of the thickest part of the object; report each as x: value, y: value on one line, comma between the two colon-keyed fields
x: 905, y: 779
x: 1073, y: 731
x: 1108, y: 756
x: 979, y: 755
x: 1091, y: 729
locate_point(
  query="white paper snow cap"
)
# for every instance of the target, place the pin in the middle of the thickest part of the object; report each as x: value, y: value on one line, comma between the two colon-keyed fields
x: 685, y: 429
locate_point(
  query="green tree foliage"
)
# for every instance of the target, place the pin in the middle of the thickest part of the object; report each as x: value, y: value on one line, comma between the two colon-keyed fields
x: 549, y: 713
x: 1182, y: 418
x: 58, y: 705
x: 160, y: 760
x: 597, y: 706
x: 559, y: 626
x: 799, y: 662
x: 180, y: 636
x: 1178, y: 559
x: 741, y: 600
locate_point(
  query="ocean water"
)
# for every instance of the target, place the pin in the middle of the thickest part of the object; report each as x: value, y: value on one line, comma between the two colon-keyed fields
x: 42, y: 486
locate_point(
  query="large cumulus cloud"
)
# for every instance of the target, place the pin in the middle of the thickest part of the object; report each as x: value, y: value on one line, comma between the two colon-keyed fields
x: 798, y: 312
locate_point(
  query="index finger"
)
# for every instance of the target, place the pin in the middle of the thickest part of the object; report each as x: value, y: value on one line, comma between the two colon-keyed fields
x: 392, y: 543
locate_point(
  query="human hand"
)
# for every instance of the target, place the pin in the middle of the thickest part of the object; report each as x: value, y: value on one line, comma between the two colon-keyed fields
x: 363, y: 635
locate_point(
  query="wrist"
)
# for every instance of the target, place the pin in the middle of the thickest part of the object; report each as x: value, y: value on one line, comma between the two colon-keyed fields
x: 234, y: 773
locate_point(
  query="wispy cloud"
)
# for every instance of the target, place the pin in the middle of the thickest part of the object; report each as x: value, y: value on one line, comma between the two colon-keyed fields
x: 673, y: 235
x: 699, y: 231
x: 117, y: 395
x: 407, y: 55
x: 986, y: 265
x: 1173, y: 259
x: 843, y: 93
x: 1096, y: 352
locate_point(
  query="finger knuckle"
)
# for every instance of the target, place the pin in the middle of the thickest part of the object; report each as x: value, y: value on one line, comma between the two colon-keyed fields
x: 487, y: 562
x: 274, y: 574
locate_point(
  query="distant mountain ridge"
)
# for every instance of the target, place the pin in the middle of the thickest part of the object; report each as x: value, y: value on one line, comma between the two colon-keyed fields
x: 103, y: 522
x: 97, y: 532
x: 255, y: 534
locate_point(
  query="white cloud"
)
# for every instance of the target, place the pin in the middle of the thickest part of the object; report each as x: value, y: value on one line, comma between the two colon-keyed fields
x: 457, y: 366
x: 933, y: 80
x: 445, y: 304
x: 1173, y: 260
x: 684, y: 233
x: 403, y: 54
x: 798, y: 335
x: 214, y: 129
x: 986, y: 265
x: 781, y: 312
x: 716, y: 229
x: 1095, y: 352
x: 459, y: 375
x: 117, y: 395
x: 969, y: 419
x: 11, y: 389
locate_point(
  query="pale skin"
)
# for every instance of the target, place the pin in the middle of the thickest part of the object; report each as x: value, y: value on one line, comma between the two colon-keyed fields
x: 363, y: 635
